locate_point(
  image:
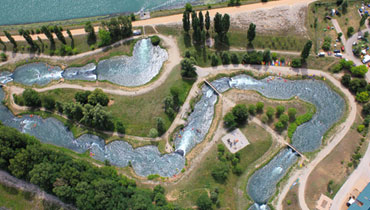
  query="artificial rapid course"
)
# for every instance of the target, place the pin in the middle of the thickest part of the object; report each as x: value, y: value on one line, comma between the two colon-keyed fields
x: 136, y: 70
x: 148, y: 160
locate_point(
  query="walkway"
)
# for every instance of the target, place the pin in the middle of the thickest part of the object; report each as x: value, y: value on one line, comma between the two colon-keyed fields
x: 178, y: 18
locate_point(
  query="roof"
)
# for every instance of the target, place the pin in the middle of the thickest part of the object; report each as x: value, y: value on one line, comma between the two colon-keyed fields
x: 363, y: 200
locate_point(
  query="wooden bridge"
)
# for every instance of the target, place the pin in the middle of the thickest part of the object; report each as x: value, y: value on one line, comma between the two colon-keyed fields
x: 213, y: 88
x: 295, y: 150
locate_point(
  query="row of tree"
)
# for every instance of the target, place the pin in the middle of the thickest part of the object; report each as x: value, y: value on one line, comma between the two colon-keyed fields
x: 74, y: 181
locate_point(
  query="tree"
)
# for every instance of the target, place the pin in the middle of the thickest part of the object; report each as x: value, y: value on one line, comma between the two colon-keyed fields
x: 186, y: 21
x: 207, y: 21
x: 194, y: 20
x: 69, y: 34
x: 59, y: 34
x: 11, y: 39
x: 350, y: 31
x: 48, y: 102
x: 204, y: 202
x: 266, y: 56
x: 155, y: 40
x: 91, y: 37
x: 74, y: 111
x: 344, y: 6
x: 280, y: 110
x: 29, y: 39
x: 201, y: 21
x: 160, y: 126
x: 279, y: 126
x: 306, y: 51
x: 105, y: 37
x: 229, y: 121
x: 43, y: 175
x: 327, y: 43
x: 366, y: 109
x: 120, y: 127
x: 357, y: 85
x: 98, y: 97
x: 270, y: 113
x: 362, y: 97
x: 225, y: 24
x: 187, y: 68
x: 31, y: 98
x: 284, y: 119
x: 97, y: 117
x: 251, y: 32
x: 363, y: 19
x: 240, y: 111
x: 220, y: 172
x: 346, y: 79
x: 359, y: 71
x: 188, y: 7
x: 82, y: 97
x: 259, y: 107
x: 214, y: 60
x: 47, y: 33
x: 292, y: 113
x: 217, y: 23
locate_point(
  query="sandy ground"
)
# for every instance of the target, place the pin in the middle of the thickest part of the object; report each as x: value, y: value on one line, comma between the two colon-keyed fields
x: 285, y: 10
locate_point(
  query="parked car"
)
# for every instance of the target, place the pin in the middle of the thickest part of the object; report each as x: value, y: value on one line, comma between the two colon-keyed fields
x: 342, y: 48
x: 354, y: 43
x: 339, y: 55
x: 336, y: 51
x: 321, y: 54
x: 359, y: 37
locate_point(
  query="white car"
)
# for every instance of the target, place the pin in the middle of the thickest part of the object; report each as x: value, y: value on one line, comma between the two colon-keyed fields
x: 354, y: 43
x: 359, y: 37
x: 339, y: 55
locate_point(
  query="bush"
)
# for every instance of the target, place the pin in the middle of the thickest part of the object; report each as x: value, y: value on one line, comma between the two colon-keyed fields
x: 237, y: 170
x: 336, y: 68
x: 359, y: 71
x: 259, y: 107
x: 360, y: 128
x: 292, y: 113
x: 346, y: 79
x: 270, y: 113
x: 153, y: 176
x: 98, y: 97
x: 153, y: 133
x: 204, y: 202
x: 221, y: 148
x: 19, y: 100
x: 291, y: 129
x: 234, y: 59
x: 252, y: 109
x: 265, y: 119
x: 31, y: 98
x: 120, y: 127
x: 303, y: 118
x: 48, y: 102
x: 362, y: 97
x: 350, y: 31
x: 155, y: 40
x: 3, y: 57
x: 279, y: 126
x: 296, y: 63
x: 187, y: 68
x: 284, y: 119
x: 225, y: 58
x: 280, y: 110
x: 327, y: 43
x: 214, y: 60
x: 82, y: 97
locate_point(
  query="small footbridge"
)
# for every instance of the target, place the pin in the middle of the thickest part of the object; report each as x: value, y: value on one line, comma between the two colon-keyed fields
x: 213, y: 87
x: 295, y: 150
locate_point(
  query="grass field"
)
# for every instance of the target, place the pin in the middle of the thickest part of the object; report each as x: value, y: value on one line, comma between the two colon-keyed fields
x: 334, y: 167
x: 137, y: 113
x: 291, y: 201
x: 12, y: 198
x: 187, y: 191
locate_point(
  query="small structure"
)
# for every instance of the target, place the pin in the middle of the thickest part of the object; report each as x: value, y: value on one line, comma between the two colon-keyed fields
x: 366, y: 59
x: 136, y: 32
x: 235, y: 141
x: 324, y: 203
x: 363, y: 200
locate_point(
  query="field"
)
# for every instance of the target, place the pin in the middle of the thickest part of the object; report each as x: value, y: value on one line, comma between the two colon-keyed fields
x: 137, y: 113
x: 11, y: 198
x: 200, y: 180
x: 291, y: 200
x: 336, y: 167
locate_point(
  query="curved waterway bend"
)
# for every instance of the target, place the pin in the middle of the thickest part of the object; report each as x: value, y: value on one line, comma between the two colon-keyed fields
x: 147, y: 160
x: 136, y: 70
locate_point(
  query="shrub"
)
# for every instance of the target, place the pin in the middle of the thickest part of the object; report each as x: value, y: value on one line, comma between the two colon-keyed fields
x: 225, y: 58
x: 350, y: 31
x: 237, y: 169
x: 31, y: 98
x: 270, y: 113
x: 360, y: 128
x: 153, y: 176
x: 291, y: 129
x: 259, y: 107
x: 48, y: 102
x: 229, y: 121
x: 359, y: 71
x: 234, y: 58
x: 221, y: 148
x: 214, y: 60
x: 303, y: 118
x: 296, y: 63
x: 327, y: 43
x: 292, y: 113
x: 204, y: 202
x: 187, y: 68
x: 265, y: 119
x: 220, y: 172
x: 280, y: 110
x: 120, y: 127
x: 346, y: 79
x: 289, y: 202
x: 3, y: 57
x: 19, y: 100
x: 252, y: 109
x: 153, y: 133
x: 155, y: 40
x: 362, y: 97
x: 336, y: 68
x: 279, y: 126
x: 98, y: 97
x: 284, y: 119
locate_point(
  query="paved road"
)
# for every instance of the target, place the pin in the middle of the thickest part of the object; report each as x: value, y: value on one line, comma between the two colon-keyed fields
x: 178, y: 18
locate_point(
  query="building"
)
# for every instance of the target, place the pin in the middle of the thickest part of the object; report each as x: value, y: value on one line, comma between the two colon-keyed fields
x: 362, y: 202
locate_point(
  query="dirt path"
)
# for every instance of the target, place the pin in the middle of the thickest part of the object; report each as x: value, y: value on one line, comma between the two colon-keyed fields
x: 178, y: 18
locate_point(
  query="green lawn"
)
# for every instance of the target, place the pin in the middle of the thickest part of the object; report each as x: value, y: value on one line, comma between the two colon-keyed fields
x: 201, y: 180
x: 138, y: 113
